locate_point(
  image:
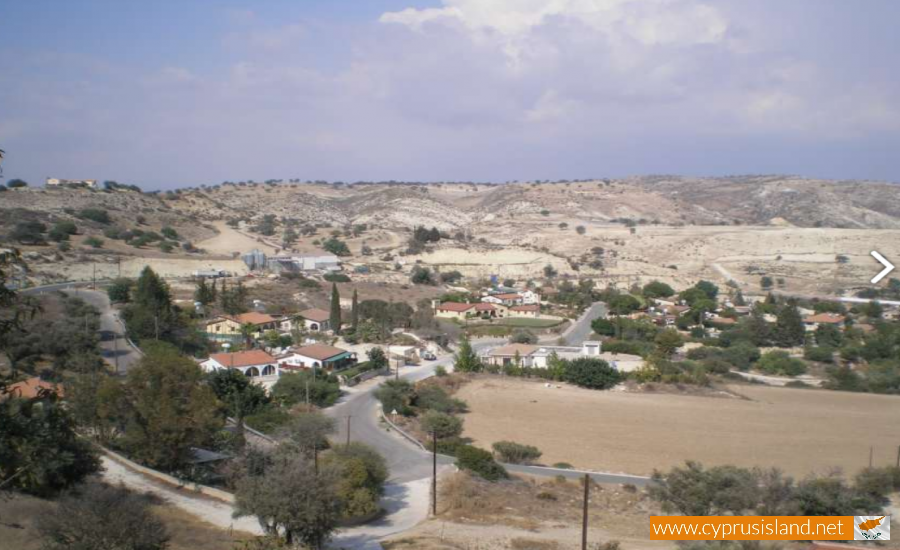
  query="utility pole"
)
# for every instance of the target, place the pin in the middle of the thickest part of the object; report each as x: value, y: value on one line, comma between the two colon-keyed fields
x: 434, y: 474
x: 871, y: 452
x: 584, y: 519
x: 156, y: 325
x: 349, y: 416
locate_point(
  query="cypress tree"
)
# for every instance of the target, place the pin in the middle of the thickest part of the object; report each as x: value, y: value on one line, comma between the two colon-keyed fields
x: 354, y: 311
x: 335, y: 309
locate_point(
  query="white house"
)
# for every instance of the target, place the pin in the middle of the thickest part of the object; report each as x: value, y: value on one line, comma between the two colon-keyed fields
x: 539, y: 357
x: 316, y: 356
x: 251, y: 363
x: 57, y: 182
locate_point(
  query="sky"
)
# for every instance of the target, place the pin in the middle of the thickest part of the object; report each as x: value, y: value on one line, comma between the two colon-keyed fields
x: 170, y: 94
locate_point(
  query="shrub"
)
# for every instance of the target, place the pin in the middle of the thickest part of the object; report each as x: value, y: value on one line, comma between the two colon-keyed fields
x: 546, y: 495
x: 395, y: 395
x: 62, y: 230
x: 563, y: 466
x: 113, y: 233
x: 290, y: 389
x: 95, y: 215
x: 336, y: 278
x: 94, y: 242
x: 591, y: 373
x: 441, y: 424
x: 28, y: 232
x: 169, y: 233
x: 779, y: 362
x: 479, y: 462
x: 821, y: 354
x: 166, y: 246
x: 268, y: 420
x: 516, y: 453
x: 336, y: 247
x: 440, y: 371
x: 435, y: 398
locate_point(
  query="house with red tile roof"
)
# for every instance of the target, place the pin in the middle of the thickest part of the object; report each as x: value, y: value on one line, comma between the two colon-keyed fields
x: 250, y: 363
x: 316, y: 357
x: 227, y: 328
x: 30, y: 388
x: 812, y: 322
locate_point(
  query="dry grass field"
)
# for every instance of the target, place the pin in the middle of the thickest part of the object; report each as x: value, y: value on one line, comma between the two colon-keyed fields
x: 800, y: 431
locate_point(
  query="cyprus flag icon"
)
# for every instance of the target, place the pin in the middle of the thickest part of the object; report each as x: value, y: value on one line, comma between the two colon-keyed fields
x: 871, y: 527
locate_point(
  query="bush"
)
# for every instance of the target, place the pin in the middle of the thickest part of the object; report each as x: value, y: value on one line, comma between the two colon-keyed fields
x: 440, y: 371
x: 290, y: 389
x: 563, y: 466
x: 268, y: 420
x: 62, y: 230
x: 595, y: 374
x: 113, y: 233
x: 95, y: 215
x: 166, y: 246
x: 336, y: 247
x: 16, y: 183
x: 94, y: 242
x: 779, y: 362
x: 441, y: 424
x: 480, y: 463
x: 434, y: 398
x: 421, y: 276
x: 395, y: 395
x: 516, y: 453
x: 169, y: 233
x: 821, y: 354
x: 28, y: 232
x: 336, y: 278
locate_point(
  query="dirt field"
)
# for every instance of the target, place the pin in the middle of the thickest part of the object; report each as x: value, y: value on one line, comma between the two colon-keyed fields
x: 800, y: 431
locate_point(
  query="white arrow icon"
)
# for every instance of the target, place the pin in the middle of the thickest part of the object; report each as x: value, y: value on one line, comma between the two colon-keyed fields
x: 888, y: 267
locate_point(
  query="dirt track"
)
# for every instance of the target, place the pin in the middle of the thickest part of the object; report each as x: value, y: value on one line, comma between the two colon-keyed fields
x: 800, y: 431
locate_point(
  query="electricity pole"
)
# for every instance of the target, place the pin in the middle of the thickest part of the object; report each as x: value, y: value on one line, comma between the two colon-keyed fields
x: 116, y: 350
x: 434, y: 474
x: 349, y: 416
x: 584, y: 519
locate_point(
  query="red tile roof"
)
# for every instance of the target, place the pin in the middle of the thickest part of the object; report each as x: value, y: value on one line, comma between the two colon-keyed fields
x: 827, y: 318
x: 315, y: 314
x: 508, y: 296
x: 243, y: 358
x: 254, y: 318
x: 485, y: 307
x: 455, y: 306
x: 321, y: 352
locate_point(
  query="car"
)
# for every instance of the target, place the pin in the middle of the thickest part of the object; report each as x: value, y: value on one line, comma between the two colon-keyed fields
x: 428, y: 356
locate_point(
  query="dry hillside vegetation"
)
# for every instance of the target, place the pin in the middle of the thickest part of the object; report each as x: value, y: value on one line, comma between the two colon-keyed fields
x: 529, y: 513
x: 791, y: 229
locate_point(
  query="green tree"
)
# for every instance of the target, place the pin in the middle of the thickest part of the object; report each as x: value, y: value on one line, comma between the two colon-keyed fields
x: 170, y: 409
x: 421, y: 276
x: 16, y: 183
x: 119, y: 290
x: 591, y: 373
x: 789, y: 330
x: 335, y: 317
x: 354, y: 311
x: 239, y: 396
x: 363, y: 474
x: 204, y: 293
x: 465, y: 359
x: 396, y: 395
x: 441, y: 424
x: 623, y: 304
x: 308, y: 432
x: 657, y: 289
x: 377, y: 358
x: 40, y: 453
x: 62, y: 230
x: 102, y: 516
x: 336, y: 247
x: 290, y: 496
x: 28, y: 232
x: 668, y: 341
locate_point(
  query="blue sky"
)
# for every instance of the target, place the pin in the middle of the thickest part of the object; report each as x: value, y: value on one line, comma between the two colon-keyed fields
x: 169, y: 94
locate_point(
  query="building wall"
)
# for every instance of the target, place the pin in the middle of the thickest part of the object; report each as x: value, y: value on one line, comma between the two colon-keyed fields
x: 461, y: 315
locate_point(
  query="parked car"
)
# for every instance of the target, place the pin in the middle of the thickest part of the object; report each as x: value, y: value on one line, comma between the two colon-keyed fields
x: 428, y: 356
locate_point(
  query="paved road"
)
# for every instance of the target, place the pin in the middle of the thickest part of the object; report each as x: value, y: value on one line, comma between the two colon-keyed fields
x: 407, y: 461
x: 114, y: 347
x: 581, y: 329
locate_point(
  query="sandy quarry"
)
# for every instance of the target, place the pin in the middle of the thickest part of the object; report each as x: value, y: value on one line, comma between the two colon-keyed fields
x: 800, y: 431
